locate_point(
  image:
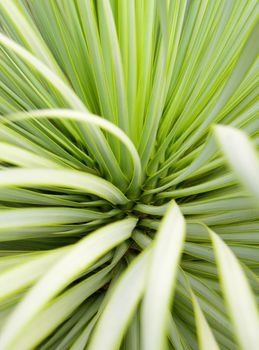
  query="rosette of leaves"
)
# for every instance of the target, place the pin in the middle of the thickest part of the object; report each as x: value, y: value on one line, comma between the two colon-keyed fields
x: 129, y: 174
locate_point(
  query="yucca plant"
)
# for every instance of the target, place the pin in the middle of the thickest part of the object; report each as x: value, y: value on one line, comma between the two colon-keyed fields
x: 129, y: 174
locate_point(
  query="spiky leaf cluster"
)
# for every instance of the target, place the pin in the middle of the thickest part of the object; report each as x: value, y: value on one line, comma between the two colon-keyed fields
x: 129, y: 175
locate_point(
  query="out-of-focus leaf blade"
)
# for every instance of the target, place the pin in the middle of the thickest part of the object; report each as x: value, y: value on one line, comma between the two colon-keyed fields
x: 62, y: 178
x: 241, y: 155
x: 205, y: 335
x: 121, y: 306
x: 161, y: 280
x: 82, y: 255
x: 238, y: 295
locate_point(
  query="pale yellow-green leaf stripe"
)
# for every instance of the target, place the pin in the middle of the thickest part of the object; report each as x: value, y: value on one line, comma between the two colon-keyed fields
x: 165, y: 256
x: 48, y: 74
x: 59, y: 309
x: 71, y: 98
x: 24, y: 274
x: 82, y: 255
x: 238, y: 295
x: 241, y: 155
x: 23, y: 158
x: 121, y: 306
x: 205, y: 336
x: 62, y: 178
x: 89, y: 118
x: 29, y: 34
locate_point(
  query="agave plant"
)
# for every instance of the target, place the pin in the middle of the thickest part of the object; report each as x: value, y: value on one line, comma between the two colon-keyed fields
x: 129, y: 175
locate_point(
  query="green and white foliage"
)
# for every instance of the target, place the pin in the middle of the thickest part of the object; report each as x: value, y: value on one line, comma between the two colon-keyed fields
x: 129, y: 175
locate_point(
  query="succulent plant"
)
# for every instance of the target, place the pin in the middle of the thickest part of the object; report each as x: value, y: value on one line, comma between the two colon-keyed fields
x: 129, y: 175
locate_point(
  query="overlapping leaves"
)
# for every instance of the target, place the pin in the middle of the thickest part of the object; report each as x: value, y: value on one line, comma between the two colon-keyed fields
x: 128, y: 219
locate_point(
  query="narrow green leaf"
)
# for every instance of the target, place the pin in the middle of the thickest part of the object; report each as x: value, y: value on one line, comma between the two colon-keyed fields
x: 238, y: 295
x: 23, y: 158
x: 62, y: 178
x: 166, y: 254
x: 30, y: 35
x: 205, y: 336
x: 58, y: 310
x: 121, y: 306
x: 94, y: 120
x: 82, y: 255
x: 24, y: 274
x: 241, y: 155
